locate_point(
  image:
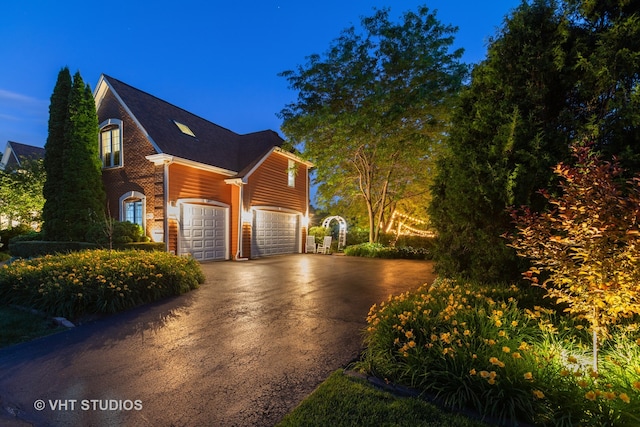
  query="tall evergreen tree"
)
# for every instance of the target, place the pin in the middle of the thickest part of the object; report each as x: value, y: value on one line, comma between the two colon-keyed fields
x: 82, y: 190
x: 506, y: 135
x: 53, y: 225
x: 557, y: 72
x: 75, y: 196
x: 607, y: 63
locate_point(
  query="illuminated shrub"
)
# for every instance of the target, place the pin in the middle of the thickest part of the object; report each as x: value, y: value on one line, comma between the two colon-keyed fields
x: 477, y: 347
x: 97, y: 281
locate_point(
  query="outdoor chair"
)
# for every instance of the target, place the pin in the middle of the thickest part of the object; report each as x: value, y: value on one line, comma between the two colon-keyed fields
x: 311, y: 245
x: 325, y: 247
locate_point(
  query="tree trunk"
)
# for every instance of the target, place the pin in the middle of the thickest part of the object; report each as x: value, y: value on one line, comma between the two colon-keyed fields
x: 381, y: 202
x: 595, y: 351
x: 595, y: 326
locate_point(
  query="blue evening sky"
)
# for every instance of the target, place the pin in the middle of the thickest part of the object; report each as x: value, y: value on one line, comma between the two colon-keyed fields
x: 217, y: 59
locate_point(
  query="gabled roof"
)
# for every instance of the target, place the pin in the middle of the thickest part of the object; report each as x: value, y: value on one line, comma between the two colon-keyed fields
x: 212, y: 144
x: 16, y: 152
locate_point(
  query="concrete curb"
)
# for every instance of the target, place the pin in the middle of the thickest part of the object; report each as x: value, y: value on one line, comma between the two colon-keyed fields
x: 61, y: 321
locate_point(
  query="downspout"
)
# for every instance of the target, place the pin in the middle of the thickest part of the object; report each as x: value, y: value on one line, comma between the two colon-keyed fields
x: 302, y: 245
x: 240, y: 209
x: 166, y: 164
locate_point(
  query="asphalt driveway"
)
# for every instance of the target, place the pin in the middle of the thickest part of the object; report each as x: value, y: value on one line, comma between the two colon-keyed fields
x: 243, y: 350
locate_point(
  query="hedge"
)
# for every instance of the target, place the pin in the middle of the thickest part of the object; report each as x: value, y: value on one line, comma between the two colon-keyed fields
x: 35, y: 248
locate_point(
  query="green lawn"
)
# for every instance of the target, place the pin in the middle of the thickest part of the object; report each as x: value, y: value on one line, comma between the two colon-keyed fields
x: 17, y: 326
x: 348, y: 401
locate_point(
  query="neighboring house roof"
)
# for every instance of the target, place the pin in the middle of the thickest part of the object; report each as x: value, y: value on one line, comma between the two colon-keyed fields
x: 15, y: 153
x: 211, y: 144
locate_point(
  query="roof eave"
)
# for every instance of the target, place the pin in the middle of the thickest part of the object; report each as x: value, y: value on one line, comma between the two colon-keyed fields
x: 292, y: 156
x: 160, y: 159
x: 279, y: 151
x: 100, y: 92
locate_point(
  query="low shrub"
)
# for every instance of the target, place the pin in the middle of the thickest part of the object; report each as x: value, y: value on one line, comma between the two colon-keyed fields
x: 355, y: 236
x: 377, y: 250
x: 8, y: 234
x: 141, y: 246
x: 35, y: 248
x: 115, y: 232
x: 391, y: 239
x: 96, y: 281
x: 28, y: 236
x: 475, y: 347
x: 22, y: 247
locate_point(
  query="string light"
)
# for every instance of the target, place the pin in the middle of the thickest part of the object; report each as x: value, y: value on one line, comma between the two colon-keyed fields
x: 405, y: 230
x: 409, y: 217
x: 414, y: 231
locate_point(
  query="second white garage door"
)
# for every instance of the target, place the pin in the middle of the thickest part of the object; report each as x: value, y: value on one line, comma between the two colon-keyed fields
x: 274, y: 233
x: 203, y: 232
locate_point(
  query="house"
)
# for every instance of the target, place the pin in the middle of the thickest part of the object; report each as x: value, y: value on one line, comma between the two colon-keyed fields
x: 196, y: 186
x: 13, y: 158
x: 15, y: 153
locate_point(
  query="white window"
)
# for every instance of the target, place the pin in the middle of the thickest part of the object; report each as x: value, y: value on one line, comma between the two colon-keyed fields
x: 133, y: 208
x: 111, y: 143
x: 291, y: 173
x: 133, y: 211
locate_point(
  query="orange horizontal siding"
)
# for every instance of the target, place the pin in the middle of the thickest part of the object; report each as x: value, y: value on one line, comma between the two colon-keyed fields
x: 268, y: 185
x: 186, y: 182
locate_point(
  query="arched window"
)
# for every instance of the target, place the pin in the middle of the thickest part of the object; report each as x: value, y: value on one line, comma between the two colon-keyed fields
x: 133, y: 208
x: 111, y: 143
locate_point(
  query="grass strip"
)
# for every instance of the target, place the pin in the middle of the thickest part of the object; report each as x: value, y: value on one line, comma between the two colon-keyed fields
x: 348, y: 401
x: 18, y: 326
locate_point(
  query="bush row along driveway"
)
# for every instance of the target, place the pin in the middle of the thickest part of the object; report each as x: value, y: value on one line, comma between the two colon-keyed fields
x: 243, y: 350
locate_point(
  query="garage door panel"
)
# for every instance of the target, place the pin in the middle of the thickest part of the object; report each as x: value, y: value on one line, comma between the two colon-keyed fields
x: 203, y: 232
x: 274, y: 233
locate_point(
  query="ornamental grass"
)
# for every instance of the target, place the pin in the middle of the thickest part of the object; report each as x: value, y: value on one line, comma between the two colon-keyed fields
x: 96, y: 281
x: 486, y: 349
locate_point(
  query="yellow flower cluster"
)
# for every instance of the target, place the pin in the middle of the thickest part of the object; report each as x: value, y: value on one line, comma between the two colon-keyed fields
x: 88, y: 276
x: 608, y: 395
x: 483, y: 332
x: 495, y: 361
x: 489, y: 376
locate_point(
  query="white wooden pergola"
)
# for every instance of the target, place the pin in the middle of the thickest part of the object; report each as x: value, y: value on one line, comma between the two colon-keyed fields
x: 342, y: 234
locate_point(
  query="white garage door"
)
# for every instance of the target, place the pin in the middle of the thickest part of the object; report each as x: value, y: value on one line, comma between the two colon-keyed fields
x: 203, y: 232
x: 274, y: 233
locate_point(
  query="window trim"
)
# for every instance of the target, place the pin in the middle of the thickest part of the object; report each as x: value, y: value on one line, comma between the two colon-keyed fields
x: 108, y: 124
x: 291, y: 173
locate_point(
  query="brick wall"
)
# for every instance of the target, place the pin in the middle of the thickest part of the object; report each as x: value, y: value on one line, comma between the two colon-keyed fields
x: 137, y: 173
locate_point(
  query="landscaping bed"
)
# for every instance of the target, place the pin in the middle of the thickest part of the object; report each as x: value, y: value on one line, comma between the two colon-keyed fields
x: 96, y: 281
x: 492, y: 350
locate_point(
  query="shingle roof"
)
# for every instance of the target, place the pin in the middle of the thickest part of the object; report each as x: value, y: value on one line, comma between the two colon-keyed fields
x: 213, y: 145
x: 19, y: 152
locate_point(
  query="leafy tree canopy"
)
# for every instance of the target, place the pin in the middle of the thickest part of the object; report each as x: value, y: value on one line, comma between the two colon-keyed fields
x: 21, y: 198
x: 372, y: 111
x: 587, y: 245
